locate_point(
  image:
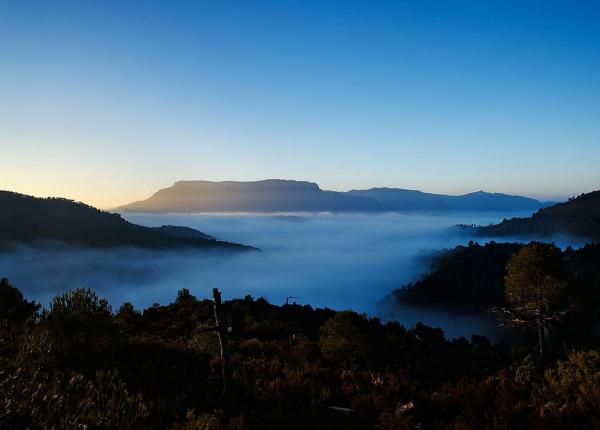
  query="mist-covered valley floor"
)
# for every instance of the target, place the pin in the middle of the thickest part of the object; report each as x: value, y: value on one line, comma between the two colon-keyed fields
x: 325, y: 260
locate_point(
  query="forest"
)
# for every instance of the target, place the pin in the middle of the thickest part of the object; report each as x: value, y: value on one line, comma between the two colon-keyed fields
x: 471, y: 278
x: 28, y: 219
x: 579, y: 216
x: 248, y: 364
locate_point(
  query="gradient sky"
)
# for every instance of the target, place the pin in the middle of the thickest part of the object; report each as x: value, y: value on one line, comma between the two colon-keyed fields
x: 107, y: 101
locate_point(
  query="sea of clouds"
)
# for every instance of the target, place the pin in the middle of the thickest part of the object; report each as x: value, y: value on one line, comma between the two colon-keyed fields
x: 325, y: 260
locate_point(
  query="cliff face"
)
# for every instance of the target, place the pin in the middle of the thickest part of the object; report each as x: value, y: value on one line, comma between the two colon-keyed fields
x: 261, y: 196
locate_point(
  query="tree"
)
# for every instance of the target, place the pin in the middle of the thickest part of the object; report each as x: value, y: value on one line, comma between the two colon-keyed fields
x: 15, y: 312
x: 14, y: 309
x: 535, y: 285
x: 571, y: 393
x: 81, y: 326
x: 345, y: 338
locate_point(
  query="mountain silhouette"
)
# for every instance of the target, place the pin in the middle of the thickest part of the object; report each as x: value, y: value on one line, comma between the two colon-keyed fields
x: 30, y: 219
x: 272, y: 195
x: 413, y: 200
x: 277, y: 195
x: 579, y: 216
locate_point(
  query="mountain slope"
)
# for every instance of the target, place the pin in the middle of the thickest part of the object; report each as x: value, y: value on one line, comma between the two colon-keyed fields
x: 271, y: 195
x: 27, y: 219
x: 275, y: 195
x: 471, y: 278
x: 413, y: 200
x: 579, y: 216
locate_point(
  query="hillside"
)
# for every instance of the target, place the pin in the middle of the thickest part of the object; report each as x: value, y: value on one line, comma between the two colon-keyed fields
x: 579, y: 216
x: 78, y: 363
x: 27, y: 219
x: 275, y: 195
x: 471, y: 278
x: 413, y: 200
x: 465, y: 278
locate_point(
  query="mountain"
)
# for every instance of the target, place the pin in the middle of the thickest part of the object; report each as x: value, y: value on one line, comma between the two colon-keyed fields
x: 273, y: 195
x: 413, y: 200
x: 276, y: 195
x: 28, y: 219
x: 579, y: 216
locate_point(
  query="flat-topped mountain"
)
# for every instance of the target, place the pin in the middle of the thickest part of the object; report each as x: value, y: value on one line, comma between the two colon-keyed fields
x: 579, y: 216
x: 31, y: 219
x: 413, y: 200
x: 266, y: 196
x: 275, y: 195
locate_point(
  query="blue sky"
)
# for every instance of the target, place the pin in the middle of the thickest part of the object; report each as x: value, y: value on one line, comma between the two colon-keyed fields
x: 106, y: 102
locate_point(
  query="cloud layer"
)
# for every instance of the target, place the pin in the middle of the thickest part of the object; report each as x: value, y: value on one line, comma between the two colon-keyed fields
x: 338, y: 261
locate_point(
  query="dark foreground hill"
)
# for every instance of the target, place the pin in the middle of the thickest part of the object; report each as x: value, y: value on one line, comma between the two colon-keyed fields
x: 30, y: 219
x: 81, y: 365
x: 579, y: 216
x: 275, y: 195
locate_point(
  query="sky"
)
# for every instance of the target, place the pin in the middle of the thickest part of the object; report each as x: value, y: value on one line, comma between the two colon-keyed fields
x: 106, y: 102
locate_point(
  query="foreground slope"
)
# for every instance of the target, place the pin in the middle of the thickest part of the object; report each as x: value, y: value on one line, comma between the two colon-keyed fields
x: 27, y: 219
x: 579, y: 216
x: 78, y: 364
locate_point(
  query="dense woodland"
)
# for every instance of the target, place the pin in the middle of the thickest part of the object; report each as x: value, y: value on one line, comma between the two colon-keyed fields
x: 471, y: 278
x: 29, y: 219
x: 579, y: 216
x: 80, y: 364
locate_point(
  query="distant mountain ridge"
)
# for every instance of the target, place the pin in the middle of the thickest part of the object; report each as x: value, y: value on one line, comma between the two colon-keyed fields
x: 28, y: 219
x: 579, y: 216
x: 278, y: 195
x: 413, y: 200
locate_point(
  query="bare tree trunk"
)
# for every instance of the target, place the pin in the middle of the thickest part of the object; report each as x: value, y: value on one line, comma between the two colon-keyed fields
x: 541, y: 338
x: 222, y: 336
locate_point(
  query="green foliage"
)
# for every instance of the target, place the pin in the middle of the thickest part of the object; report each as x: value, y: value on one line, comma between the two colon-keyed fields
x: 81, y: 328
x: 294, y: 367
x: 580, y: 216
x: 345, y: 338
x: 529, y: 372
x: 184, y: 296
x: 536, y: 279
x: 536, y: 283
x: 469, y: 278
x: 15, y: 314
x: 571, y: 394
x: 127, y: 315
x: 14, y: 309
x: 472, y: 279
x: 25, y: 219
x: 199, y: 422
x: 69, y: 401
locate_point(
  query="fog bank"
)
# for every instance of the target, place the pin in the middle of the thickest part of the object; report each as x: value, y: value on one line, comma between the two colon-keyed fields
x: 336, y: 261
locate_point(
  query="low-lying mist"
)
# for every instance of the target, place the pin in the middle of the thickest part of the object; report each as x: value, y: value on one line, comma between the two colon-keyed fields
x: 325, y: 260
